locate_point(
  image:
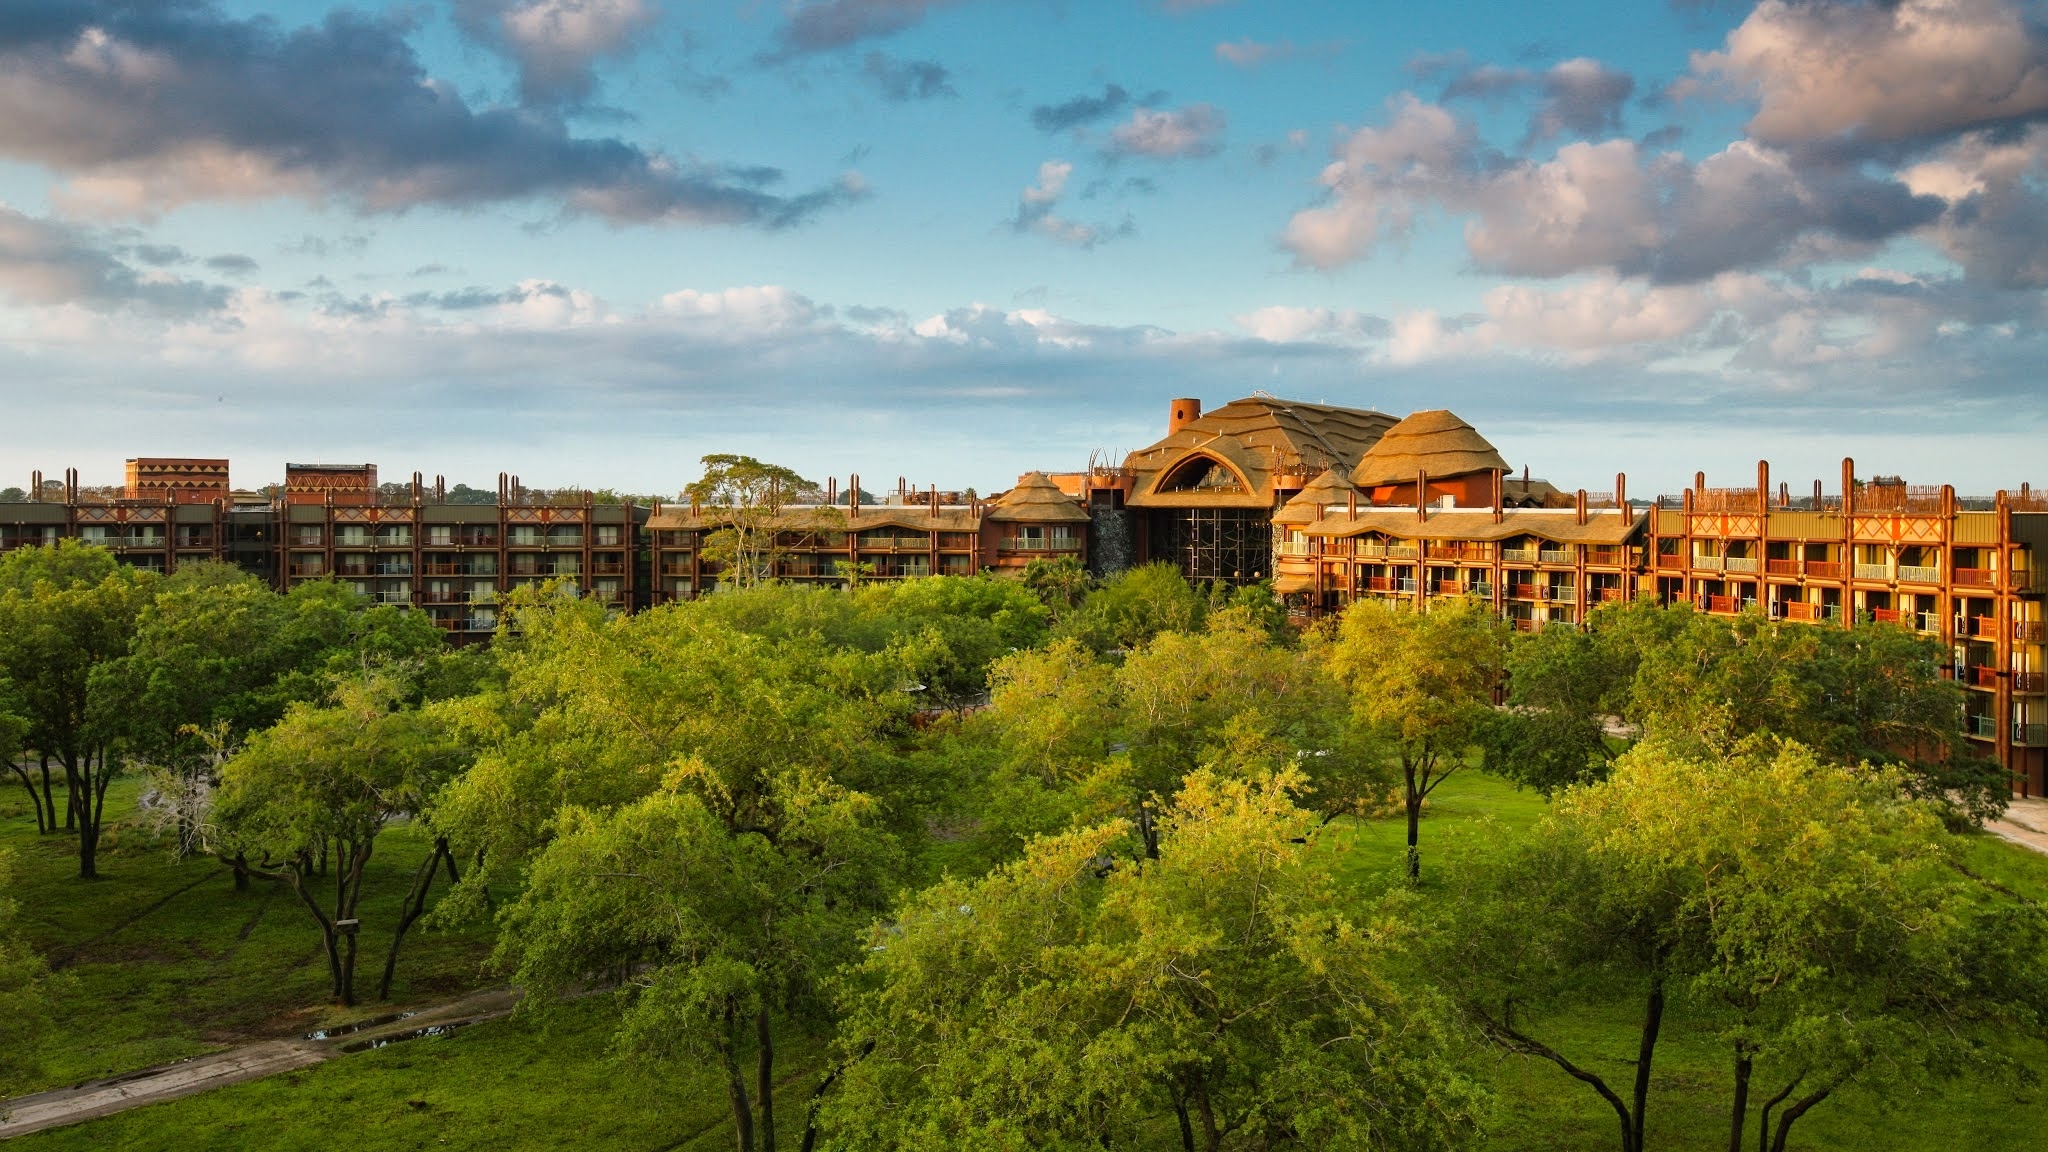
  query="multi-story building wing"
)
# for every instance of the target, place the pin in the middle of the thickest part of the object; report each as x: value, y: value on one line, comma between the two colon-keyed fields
x: 1965, y: 571
x: 839, y: 541
x: 1329, y: 504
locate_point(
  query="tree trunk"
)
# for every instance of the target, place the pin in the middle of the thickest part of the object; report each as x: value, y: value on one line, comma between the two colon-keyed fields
x: 1794, y: 1113
x: 241, y: 866
x: 1212, y: 1136
x: 49, y: 793
x: 35, y: 798
x: 764, y: 1077
x: 70, y: 761
x: 79, y: 817
x: 1763, y: 1123
x: 736, y: 1087
x: 1646, y: 1050
x: 1414, y: 805
x: 414, y: 907
x: 1187, y: 1128
x: 1738, y: 1119
x: 301, y: 870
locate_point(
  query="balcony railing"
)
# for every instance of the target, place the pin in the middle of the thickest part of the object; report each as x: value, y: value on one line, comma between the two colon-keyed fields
x: 1983, y: 727
x: 1975, y: 577
x: 1447, y: 588
x: 1608, y: 557
x: 1292, y: 548
x: 1609, y: 595
x: 1884, y: 615
x: 1724, y: 604
x: 2033, y: 630
x: 1799, y: 610
x: 1920, y: 574
x: 1481, y: 589
x: 610, y: 568
x: 1782, y: 567
x: 1984, y: 676
x: 1555, y: 556
x: 1741, y: 563
x: 1824, y: 569
x: 1563, y: 592
x: 307, y: 570
x: 2029, y: 735
x: 1707, y: 563
x: 1021, y: 544
x: 2028, y: 683
x: 1519, y: 555
x: 1525, y: 591
x: 1984, y: 626
x: 1873, y: 572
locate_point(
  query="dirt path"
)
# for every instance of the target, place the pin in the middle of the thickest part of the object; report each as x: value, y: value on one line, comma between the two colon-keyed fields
x: 2025, y: 824
x: 89, y: 1101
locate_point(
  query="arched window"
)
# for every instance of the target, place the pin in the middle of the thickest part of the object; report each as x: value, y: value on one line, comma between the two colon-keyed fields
x: 1202, y: 474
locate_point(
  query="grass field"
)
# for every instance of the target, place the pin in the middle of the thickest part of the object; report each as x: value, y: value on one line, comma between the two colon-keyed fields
x: 164, y: 970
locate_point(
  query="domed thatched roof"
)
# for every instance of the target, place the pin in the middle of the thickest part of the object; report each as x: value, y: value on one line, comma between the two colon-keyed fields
x: 1036, y: 499
x: 1329, y: 489
x: 1435, y: 441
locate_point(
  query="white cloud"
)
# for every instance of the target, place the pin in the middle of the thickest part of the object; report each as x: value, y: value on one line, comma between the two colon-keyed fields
x: 1165, y: 134
x: 1828, y: 69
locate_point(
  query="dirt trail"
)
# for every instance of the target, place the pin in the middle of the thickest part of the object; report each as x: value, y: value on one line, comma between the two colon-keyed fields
x: 89, y: 1101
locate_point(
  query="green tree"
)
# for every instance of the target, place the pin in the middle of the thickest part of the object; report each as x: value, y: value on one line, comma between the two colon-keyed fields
x: 331, y: 778
x: 1062, y: 584
x: 1563, y: 685
x: 745, y: 499
x: 66, y: 612
x: 1831, y: 951
x: 1421, y: 687
x: 1062, y: 1004
x: 1135, y: 605
x: 721, y: 932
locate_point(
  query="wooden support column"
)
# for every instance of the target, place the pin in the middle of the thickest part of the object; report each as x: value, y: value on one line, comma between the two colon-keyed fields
x: 1579, y: 570
x: 1848, y: 542
x: 2001, y: 617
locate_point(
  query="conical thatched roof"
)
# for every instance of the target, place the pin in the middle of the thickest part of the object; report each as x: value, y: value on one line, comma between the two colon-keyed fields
x: 1330, y: 489
x: 1435, y: 441
x: 1036, y: 499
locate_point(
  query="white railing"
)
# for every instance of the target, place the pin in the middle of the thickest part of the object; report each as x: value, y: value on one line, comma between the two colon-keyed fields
x: 1741, y: 563
x: 1920, y: 574
x: 1873, y: 572
x: 1518, y: 555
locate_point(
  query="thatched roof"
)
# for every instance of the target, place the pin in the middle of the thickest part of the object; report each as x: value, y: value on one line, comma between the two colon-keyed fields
x: 1436, y: 441
x: 1037, y: 500
x: 1327, y: 490
x: 1259, y: 439
x: 1607, y: 526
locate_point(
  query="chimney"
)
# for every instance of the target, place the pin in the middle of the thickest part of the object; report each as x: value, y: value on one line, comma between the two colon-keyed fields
x: 1182, y: 412
x: 1621, y: 492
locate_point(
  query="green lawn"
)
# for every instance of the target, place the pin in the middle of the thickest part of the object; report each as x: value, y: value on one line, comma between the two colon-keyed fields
x: 160, y: 959
x: 207, y: 965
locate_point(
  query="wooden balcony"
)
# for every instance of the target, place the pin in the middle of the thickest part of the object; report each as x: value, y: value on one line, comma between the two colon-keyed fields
x: 1608, y: 557
x: 1011, y: 544
x: 1982, y: 626
x: 1983, y: 676
x: 1873, y: 572
x: 1520, y: 555
x: 1670, y: 560
x: 1740, y: 563
x: 1884, y: 615
x: 1525, y: 591
x: 1555, y: 556
x: 2028, y: 683
x: 1975, y: 577
x: 1919, y: 574
x: 1724, y: 605
x: 2033, y: 630
x: 1706, y: 563
x: 1799, y: 610
x: 1782, y: 567
x: 1611, y: 595
x: 1824, y: 569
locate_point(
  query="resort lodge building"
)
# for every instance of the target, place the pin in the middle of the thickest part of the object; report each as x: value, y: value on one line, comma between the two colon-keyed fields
x: 1329, y: 504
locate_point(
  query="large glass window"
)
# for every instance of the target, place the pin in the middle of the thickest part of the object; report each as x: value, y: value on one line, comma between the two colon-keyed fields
x: 1234, y: 545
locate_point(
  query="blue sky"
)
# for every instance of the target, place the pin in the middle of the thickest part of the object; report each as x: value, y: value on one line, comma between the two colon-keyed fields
x: 591, y: 240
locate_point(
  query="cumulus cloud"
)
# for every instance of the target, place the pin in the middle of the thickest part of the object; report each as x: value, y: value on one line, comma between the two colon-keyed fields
x: 823, y: 25
x: 1867, y: 74
x: 47, y: 262
x: 1579, y: 96
x: 1996, y: 227
x: 1168, y: 133
x: 556, y: 43
x: 1036, y: 213
x: 1595, y: 206
x: 906, y: 80
x: 143, y: 106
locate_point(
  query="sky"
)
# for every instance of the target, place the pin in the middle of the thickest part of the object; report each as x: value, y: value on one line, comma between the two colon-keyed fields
x: 590, y: 241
